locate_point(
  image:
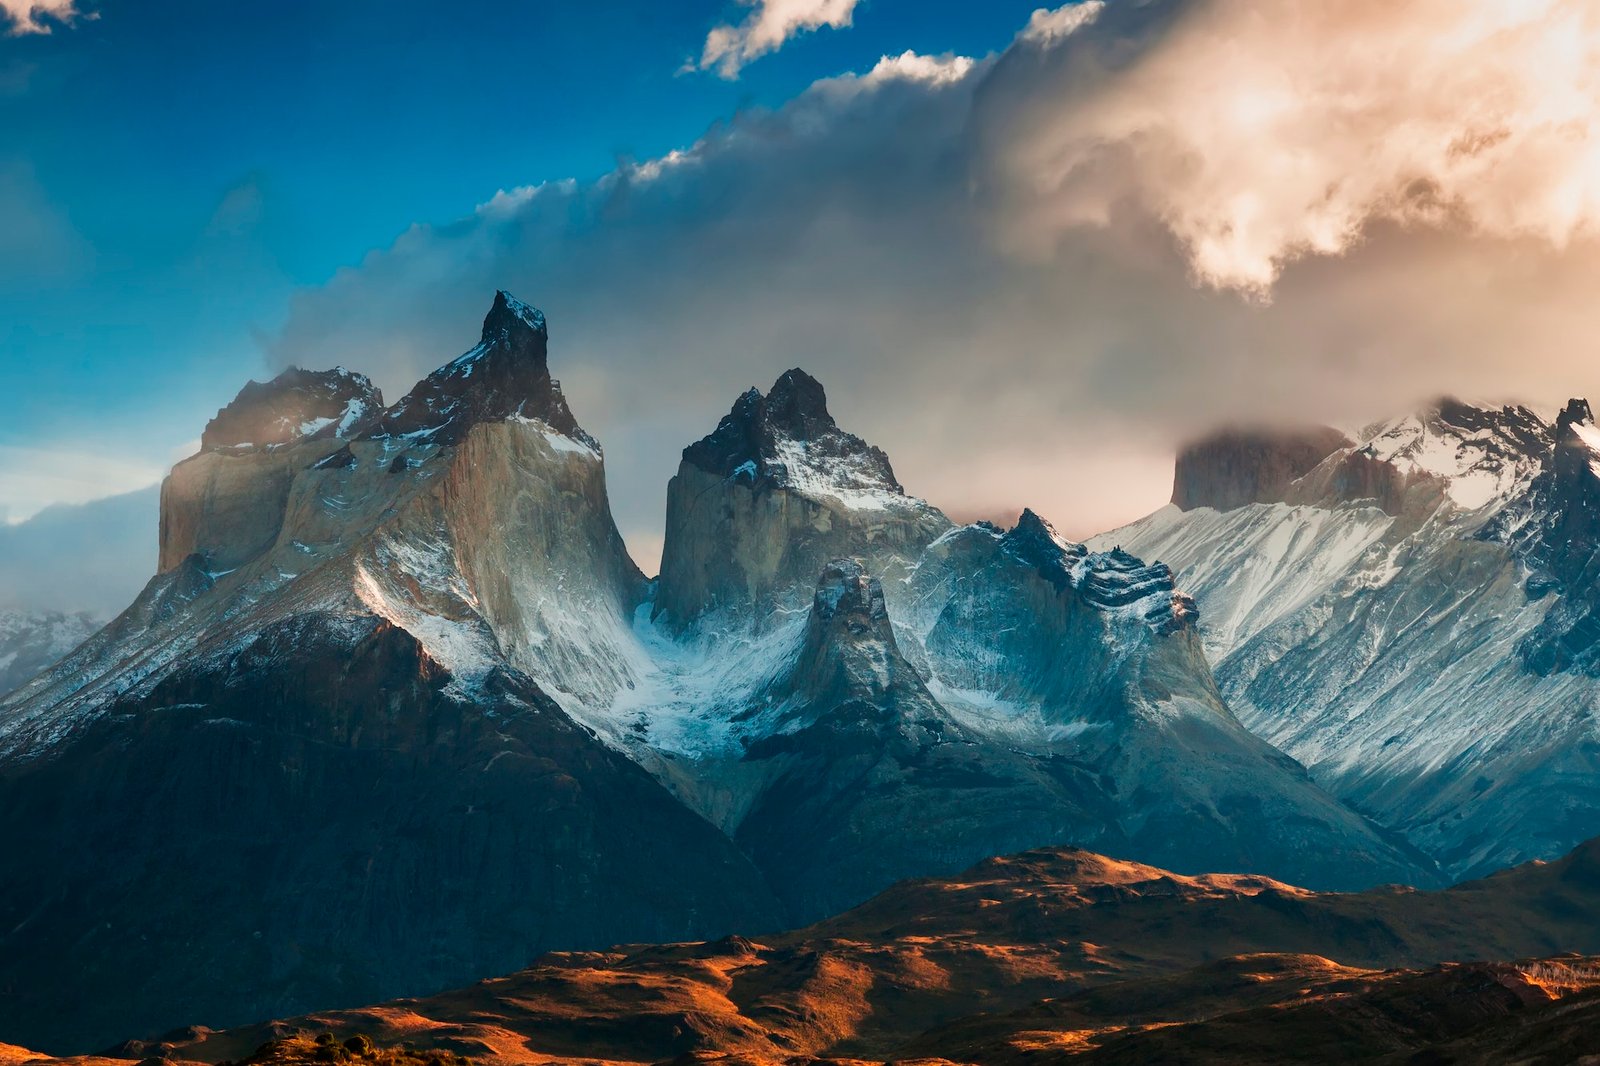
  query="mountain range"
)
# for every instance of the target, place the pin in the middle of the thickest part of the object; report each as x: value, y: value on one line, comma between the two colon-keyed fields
x: 398, y: 711
x: 1410, y: 614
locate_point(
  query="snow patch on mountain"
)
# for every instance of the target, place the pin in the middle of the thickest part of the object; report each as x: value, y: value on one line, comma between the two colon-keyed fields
x: 30, y: 641
x: 854, y: 481
x: 1250, y: 568
x: 1481, y: 454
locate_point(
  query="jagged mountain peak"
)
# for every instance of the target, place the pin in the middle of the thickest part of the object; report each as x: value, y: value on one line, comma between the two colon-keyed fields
x: 849, y: 650
x: 1577, y: 443
x: 1034, y: 541
x: 798, y: 404
x: 506, y: 376
x: 509, y: 316
x: 294, y: 406
x: 788, y: 439
x: 1478, y: 454
x: 1576, y: 412
x: 1112, y: 581
x: 1447, y: 428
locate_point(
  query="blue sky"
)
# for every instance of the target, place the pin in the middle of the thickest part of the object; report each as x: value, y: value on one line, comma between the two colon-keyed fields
x: 172, y: 170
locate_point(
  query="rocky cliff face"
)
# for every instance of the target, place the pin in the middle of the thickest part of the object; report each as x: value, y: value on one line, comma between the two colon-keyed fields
x: 1234, y: 468
x: 227, y: 502
x: 1555, y: 530
x: 1405, y: 633
x: 863, y: 777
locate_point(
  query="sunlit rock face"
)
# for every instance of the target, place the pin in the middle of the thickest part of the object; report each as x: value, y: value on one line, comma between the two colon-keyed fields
x: 1409, y: 621
x: 296, y: 405
x: 227, y: 502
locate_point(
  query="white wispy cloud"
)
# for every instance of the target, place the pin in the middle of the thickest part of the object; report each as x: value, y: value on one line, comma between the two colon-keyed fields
x: 1048, y: 25
x: 38, y: 16
x: 766, y: 28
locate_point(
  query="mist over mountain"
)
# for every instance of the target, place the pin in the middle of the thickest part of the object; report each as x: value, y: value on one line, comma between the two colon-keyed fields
x: 90, y: 558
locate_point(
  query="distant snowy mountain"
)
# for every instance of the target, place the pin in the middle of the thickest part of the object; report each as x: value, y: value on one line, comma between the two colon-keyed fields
x: 1413, y: 618
x: 33, y: 640
x: 399, y: 677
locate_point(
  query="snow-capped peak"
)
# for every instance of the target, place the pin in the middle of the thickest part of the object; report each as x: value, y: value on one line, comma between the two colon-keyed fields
x: 788, y: 439
x: 1481, y: 453
x: 505, y: 375
x: 294, y: 406
x: 506, y: 304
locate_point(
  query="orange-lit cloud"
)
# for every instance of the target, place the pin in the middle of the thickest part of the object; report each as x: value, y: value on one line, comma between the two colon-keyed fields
x: 1262, y: 133
x: 36, y: 16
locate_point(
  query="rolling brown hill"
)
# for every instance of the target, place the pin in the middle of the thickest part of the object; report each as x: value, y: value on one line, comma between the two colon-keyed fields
x: 1051, y: 955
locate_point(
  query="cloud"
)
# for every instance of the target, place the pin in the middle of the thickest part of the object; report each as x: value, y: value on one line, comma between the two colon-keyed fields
x: 32, y: 478
x: 766, y: 28
x: 992, y: 264
x: 1049, y: 25
x: 1260, y: 134
x: 92, y: 557
x: 36, y: 16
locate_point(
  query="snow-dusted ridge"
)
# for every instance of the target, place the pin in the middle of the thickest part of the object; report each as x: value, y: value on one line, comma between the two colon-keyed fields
x: 1407, y: 620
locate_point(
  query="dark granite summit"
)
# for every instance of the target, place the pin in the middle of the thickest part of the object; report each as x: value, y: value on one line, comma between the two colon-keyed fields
x: 506, y: 375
